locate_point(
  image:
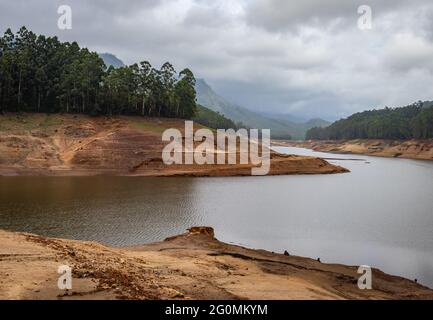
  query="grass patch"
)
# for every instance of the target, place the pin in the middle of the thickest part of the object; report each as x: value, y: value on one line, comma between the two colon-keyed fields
x: 147, y: 126
x: 20, y: 123
x: 50, y: 120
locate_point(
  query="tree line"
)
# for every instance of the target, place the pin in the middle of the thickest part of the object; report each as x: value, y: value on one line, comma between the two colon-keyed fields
x: 413, y: 121
x: 42, y: 74
x: 212, y: 119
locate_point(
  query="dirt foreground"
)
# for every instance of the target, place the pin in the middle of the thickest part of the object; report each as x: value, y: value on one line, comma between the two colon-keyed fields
x: 410, y: 149
x: 191, y: 266
x: 79, y: 145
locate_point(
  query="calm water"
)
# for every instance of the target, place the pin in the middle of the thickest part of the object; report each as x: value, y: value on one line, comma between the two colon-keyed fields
x: 380, y: 214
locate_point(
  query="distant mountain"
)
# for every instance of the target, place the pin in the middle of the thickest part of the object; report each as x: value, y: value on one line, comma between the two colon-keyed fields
x: 284, y: 116
x: 427, y: 104
x: 280, y: 128
x: 317, y: 122
x: 111, y: 60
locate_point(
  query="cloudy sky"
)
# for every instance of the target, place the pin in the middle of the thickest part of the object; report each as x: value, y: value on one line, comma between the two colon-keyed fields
x: 307, y: 58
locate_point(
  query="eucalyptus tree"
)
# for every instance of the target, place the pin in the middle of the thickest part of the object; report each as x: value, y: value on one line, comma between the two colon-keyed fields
x: 6, y: 68
x: 42, y: 74
x: 185, y: 91
x: 144, y: 85
x: 167, y: 76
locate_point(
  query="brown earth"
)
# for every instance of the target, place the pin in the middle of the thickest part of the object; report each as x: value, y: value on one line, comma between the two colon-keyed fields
x: 191, y: 266
x: 409, y: 149
x: 39, y: 144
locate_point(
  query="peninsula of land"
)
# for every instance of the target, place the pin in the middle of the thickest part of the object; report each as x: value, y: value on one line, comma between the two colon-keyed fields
x: 81, y: 145
x: 194, y: 265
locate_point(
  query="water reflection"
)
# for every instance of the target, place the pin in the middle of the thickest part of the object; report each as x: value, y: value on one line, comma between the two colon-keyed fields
x: 379, y: 214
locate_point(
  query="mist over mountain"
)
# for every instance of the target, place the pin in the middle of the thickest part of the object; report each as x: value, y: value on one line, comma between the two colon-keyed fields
x: 284, y: 116
x: 281, y: 127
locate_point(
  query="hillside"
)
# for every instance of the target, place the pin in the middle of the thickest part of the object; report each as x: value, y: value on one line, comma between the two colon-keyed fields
x: 406, y: 149
x: 280, y: 128
x: 212, y: 119
x: 66, y: 144
x: 194, y: 265
x: 236, y: 116
x: 411, y: 122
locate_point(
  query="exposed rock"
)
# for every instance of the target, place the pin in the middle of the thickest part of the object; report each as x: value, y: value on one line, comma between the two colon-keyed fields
x: 208, y: 231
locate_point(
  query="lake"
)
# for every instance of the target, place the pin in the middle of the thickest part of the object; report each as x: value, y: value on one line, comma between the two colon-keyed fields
x: 380, y: 214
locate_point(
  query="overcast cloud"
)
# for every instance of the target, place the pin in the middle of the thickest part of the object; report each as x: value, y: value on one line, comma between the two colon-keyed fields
x: 307, y: 58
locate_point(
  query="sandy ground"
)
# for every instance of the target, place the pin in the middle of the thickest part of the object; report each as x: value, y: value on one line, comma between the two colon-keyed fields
x: 191, y: 266
x: 410, y: 149
x: 78, y: 145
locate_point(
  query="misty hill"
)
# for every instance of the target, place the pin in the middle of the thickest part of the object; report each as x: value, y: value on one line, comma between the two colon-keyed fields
x: 212, y: 119
x: 426, y: 104
x: 111, y: 60
x: 280, y: 128
x: 289, y: 117
x: 412, y: 121
x: 317, y: 122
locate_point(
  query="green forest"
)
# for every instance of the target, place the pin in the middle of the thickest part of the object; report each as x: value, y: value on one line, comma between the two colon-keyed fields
x: 212, y: 119
x: 42, y: 74
x: 413, y: 121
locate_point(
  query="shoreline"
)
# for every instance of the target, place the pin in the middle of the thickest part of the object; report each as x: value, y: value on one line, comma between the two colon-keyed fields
x: 79, y: 145
x: 281, y: 164
x: 194, y: 265
x: 404, y: 149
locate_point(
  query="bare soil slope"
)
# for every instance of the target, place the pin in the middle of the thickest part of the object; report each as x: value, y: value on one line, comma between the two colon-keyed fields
x: 39, y: 144
x: 191, y: 266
